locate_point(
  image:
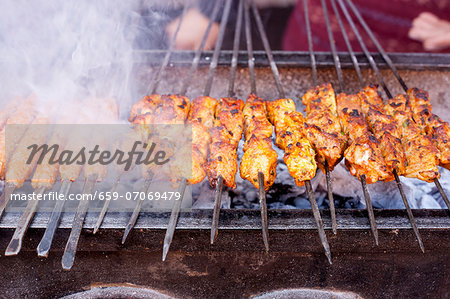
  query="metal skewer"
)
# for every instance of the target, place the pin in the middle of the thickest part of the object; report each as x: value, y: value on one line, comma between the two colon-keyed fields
x: 388, y: 93
x: 337, y: 64
x: 15, y: 244
x: 281, y: 93
x: 157, y: 79
x: 6, y: 196
x: 251, y: 66
x: 46, y: 241
x: 212, y: 67
x: 199, y: 51
x: 146, y: 186
x: 394, y: 71
x: 105, y: 207
x: 219, y: 184
x: 77, y: 225
x: 373, y: 223
x: 173, y: 219
x: 314, y: 74
x: 263, y: 205
x: 152, y: 88
x: 137, y: 208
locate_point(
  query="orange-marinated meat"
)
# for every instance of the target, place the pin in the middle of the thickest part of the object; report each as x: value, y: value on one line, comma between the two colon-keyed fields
x: 384, y: 128
x: 421, y: 153
x: 363, y: 156
x: 226, y: 134
x: 290, y: 137
x: 433, y: 125
x: 322, y: 125
x: 259, y: 156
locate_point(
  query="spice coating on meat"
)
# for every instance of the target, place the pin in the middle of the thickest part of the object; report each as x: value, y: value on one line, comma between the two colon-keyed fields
x: 226, y: 134
x: 201, y: 119
x: 290, y: 137
x: 24, y: 116
x: 433, y: 125
x: 17, y: 170
x: 385, y: 129
x: 421, y: 154
x: 322, y: 125
x: 363, y: 156
x: 259, y: 156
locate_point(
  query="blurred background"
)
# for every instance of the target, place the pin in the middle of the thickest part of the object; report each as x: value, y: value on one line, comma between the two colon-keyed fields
x: 400, y: 25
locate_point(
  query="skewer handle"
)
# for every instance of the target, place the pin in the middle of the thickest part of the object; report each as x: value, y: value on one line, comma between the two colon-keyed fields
x: 173, y: 219
x: 77, y: 225
x: 6, y: 196
x: 373, y: 224
x: 15, y: 244
x: 318, y: 219
x: 216, y: 212
x: 263, y: 207
x: 46, y: 241
x: 137, y: 208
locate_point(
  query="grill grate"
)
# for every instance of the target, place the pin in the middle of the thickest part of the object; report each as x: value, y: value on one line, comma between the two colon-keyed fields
x: 250, y: 219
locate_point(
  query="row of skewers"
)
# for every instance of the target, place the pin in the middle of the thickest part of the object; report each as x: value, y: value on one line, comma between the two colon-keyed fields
x: 375, y: 137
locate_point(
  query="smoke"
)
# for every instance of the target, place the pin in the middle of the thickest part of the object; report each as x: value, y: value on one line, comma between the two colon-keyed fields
x: 66, y: 51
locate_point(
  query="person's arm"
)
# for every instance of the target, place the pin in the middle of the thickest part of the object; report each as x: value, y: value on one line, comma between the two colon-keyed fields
x: 433, y: 32
x: 193, y: 27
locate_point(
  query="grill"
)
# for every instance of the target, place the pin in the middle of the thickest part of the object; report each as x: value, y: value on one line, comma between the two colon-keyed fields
x: 289, y: 237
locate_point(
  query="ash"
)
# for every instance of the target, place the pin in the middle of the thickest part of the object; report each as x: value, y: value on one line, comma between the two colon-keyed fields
x: 347, y: 191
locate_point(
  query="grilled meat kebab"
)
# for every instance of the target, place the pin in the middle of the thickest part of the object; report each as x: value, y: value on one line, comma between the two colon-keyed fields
x: 437, y: 129
x: 322, y: 125
x: 226, y: 134
x: 385, y: 129
x: 25, y: 116
x: 421, y: 153
x: 259, y: 156
x: 363, y: 155
x: 201, y: 119
x: 290, y: 134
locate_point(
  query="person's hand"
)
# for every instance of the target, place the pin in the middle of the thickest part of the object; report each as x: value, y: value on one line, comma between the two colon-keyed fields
x: 192, y: 30
x: 433, y: 32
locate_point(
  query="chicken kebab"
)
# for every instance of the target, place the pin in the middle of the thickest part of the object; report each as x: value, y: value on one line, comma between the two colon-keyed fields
x: 323, y: 129
x: 290, y: 133
x: 199, y: 115
x: 437, y: 129
x: 221, y: 167
x: 259, y: 156
x: 10, y: 116
x: 17, y: 172
x: 421, y: 153
x: 259, y: 162
x: 299, y: 157
x: 93, y: 173
x: 389, y: 134
x: 154, y: 110
x: 385, y: 129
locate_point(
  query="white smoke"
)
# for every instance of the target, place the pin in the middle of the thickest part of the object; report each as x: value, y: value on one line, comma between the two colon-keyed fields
x: 65, y: 51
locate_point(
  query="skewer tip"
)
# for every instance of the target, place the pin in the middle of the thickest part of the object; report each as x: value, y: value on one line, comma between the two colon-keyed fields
x: 13, y: 247
x: 43, y: 249
x: 373, y: 224
x: 318, y: 220
x: 216, y: 211
x: 331, y: 199
x: 165, y: 251
x: 67, y: 260
x: 263, y: 207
